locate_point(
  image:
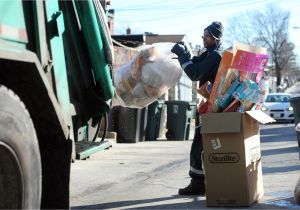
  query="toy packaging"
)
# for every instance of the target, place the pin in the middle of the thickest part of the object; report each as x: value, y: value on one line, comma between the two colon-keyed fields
x: 236, y: 85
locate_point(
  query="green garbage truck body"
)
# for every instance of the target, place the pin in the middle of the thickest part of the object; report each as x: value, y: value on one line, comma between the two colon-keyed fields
x: 55, y: 84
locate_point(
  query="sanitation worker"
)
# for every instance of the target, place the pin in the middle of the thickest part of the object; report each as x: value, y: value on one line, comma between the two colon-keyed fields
x: 201, y: 68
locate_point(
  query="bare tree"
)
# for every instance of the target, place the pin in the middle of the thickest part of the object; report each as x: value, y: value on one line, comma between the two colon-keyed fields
x: 267, y: 28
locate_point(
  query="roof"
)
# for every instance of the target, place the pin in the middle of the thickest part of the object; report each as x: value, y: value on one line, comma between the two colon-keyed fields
x: 131, y: 40
x: 155, y: 38
x: 137, y: 40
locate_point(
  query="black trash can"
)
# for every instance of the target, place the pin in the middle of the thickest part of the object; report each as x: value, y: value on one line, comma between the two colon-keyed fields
x: 155, y: 120
x: 179, y: 115
x: 295, y: 103
x: 113, y: 116
x: 131, y: 125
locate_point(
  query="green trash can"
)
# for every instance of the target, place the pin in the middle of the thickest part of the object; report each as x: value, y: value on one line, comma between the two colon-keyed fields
x: 295, y: 103
x: 179, y: 115
x: 155, y: 120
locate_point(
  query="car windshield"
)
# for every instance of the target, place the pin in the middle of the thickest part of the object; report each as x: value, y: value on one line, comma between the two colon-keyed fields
x: 278, y: 98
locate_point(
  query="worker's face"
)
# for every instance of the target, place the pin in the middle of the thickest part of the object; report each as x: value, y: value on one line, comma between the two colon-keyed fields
x: 208, y: 40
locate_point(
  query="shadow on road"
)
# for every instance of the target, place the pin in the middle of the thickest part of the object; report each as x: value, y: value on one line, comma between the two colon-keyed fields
x: 278, y: 151
x: 150, y: 204
x: 194, y: 203
x: 278, y: 134
x: 280, y: 169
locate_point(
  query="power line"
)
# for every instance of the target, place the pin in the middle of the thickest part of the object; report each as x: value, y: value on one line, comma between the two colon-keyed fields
x: 189, y: 5
x: 223, y: 6
x: 169, y: 16
x: 154, y: 5
x: 190, y: 10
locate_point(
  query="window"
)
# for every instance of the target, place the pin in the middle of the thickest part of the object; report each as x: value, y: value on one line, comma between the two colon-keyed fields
x: 278, y: 98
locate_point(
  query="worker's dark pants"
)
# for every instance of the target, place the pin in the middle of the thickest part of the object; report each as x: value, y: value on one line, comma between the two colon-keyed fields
x: 196, y: 170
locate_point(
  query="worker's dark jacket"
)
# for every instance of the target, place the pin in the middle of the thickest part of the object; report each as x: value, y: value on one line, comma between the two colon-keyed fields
x: 203, y: 68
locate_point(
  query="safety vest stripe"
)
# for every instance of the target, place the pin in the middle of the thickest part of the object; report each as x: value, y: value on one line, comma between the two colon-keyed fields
x: 186, y: 64
x: 196, y: 171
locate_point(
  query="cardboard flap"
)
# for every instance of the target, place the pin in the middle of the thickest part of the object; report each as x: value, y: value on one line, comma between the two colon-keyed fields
x: 227, y: 122
x: 260, y: 116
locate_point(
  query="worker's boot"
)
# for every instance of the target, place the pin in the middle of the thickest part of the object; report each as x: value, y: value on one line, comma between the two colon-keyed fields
x: 196, y: 187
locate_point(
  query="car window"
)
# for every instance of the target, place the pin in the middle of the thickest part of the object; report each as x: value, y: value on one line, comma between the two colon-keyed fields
x: 278, y: 98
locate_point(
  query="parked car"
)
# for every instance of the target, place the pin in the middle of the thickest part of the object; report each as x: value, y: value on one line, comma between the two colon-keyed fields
x: 277, y: 106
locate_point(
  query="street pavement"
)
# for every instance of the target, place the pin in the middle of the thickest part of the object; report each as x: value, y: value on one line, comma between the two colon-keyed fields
x: 147, y: 175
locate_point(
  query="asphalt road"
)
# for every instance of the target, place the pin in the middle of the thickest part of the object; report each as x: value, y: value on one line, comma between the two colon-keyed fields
x: 147, y: 175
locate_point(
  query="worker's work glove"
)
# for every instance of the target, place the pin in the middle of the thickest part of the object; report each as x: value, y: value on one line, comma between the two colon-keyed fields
x: 178, y: 49
x: 181, y: 52
x: 185, y: 48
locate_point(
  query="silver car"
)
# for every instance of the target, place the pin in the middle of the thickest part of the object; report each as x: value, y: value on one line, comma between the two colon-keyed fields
x: 277, y: 106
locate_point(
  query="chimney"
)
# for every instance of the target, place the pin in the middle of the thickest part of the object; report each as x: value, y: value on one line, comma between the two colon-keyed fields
x: 128, y: 31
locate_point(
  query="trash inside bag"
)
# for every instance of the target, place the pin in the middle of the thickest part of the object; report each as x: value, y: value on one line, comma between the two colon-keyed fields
x: 148, y: 76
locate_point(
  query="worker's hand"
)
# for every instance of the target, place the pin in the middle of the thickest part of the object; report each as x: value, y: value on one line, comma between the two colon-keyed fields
x: 178, y: 49
x: 184, y: 45
x: 185, y: 48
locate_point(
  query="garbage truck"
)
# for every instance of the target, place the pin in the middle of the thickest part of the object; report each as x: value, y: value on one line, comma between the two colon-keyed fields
x: 55, y: 90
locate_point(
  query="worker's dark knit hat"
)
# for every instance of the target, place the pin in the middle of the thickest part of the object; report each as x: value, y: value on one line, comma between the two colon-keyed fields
x: 215, y: 29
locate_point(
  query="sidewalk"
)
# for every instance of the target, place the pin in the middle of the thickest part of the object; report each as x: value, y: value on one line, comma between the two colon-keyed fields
x: 147, y: 175
x: 281, y: 165
x: 294, y: 89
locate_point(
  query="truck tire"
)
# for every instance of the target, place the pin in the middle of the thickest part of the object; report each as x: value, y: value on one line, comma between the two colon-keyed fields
x: 20, y: 164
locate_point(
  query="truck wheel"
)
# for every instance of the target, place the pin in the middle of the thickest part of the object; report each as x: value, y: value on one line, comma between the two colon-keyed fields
x: 20, y: 164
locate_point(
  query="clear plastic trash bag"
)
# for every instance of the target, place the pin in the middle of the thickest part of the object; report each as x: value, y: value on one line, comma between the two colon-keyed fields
x: 148, y: 76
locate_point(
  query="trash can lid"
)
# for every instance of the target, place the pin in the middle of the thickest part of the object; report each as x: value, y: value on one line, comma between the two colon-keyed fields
x: 157, y: 103
x: 193, y: 103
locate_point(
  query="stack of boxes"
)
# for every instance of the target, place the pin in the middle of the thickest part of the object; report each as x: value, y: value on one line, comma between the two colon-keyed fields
x: 231, y: 141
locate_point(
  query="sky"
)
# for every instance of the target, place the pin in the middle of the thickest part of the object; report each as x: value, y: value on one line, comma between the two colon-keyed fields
x: 190, y: 17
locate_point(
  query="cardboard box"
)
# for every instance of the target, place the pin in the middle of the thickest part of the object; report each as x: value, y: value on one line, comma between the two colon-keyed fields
x: 232, y: 158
